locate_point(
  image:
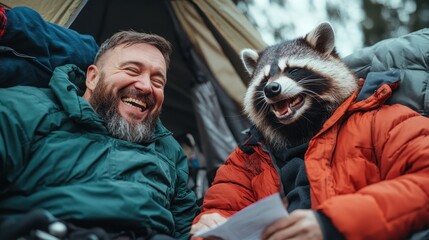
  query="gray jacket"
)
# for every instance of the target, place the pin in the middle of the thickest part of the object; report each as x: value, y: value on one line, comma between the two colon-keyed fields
x: 410, y: 55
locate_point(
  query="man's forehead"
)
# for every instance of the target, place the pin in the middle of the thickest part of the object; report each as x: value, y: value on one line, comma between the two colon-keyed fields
x: 132, y: 50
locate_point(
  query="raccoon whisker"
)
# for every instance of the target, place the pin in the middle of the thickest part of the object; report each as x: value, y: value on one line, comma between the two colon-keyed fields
x: 259, y: 98
x: 265, y: 106
x: 311, y: 93
x: 315, y: 96
x: 260, y: 95
x: 264, y: 109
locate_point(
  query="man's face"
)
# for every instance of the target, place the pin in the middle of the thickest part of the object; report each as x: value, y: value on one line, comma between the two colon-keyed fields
x: 129, y: 90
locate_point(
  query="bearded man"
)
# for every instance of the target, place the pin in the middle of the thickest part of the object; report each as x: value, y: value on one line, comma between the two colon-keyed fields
x: 101, y: 160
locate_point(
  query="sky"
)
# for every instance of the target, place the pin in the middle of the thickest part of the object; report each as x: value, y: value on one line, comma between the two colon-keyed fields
x: 307, y: 14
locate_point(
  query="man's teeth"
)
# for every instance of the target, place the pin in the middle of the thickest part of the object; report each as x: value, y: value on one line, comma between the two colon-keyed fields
x: 134, y: 103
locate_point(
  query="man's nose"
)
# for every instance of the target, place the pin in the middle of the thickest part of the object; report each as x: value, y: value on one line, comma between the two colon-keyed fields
x: 143, y: 84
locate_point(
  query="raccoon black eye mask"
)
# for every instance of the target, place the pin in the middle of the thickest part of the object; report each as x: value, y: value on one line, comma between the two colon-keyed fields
x: 296, y: 85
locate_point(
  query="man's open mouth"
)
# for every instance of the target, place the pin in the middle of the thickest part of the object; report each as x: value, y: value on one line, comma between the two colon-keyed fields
x: 286, y: 107
x: 132, y: 102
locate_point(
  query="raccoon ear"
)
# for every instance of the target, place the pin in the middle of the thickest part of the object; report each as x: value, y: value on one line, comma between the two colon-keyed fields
x: 322, y: 38
x: 249, y: 57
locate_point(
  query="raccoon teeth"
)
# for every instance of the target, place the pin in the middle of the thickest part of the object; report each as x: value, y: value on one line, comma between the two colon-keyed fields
x: 286, y: 107
x: 282, y: 107
x: 296, y: 101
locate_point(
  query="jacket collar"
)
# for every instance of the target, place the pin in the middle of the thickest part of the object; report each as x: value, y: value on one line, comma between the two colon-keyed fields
x: 380, y: 84
x: 375, y: 80
x: 68, y: 94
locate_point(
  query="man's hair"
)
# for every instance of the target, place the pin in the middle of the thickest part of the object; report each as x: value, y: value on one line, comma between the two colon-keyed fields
x: 132, y: 37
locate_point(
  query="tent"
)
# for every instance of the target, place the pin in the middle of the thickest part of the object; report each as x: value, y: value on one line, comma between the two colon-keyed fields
x: 206, y: 80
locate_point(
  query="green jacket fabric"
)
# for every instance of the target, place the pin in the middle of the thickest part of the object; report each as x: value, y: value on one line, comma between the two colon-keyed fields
x: 56, y: 154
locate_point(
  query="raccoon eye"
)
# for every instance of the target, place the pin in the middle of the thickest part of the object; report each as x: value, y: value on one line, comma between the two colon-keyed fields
x: 292, y: 70
x: 301, y: 73
x: 265, y: 80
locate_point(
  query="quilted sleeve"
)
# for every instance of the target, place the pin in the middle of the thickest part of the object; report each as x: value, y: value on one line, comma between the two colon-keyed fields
x: 398, y: 205
x: 241, y: 181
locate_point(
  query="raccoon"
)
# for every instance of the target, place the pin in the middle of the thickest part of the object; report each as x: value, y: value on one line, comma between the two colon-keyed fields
x: 296, y: 86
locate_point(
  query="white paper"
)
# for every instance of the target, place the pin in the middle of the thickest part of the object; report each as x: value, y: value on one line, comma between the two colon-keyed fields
x: 250, y: 221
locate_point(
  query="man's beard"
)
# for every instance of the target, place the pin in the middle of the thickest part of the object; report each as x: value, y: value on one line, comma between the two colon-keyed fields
x: 106, y: 105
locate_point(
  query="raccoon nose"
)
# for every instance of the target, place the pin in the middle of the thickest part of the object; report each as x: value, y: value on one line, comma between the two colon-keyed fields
x: 272, y: 89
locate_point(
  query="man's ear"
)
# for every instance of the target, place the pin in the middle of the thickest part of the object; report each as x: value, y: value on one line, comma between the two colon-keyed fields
x: 92, y: 76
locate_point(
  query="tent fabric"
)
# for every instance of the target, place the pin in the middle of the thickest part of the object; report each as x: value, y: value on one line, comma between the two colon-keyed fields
x: 61, y: 12
x: 232, y: 30
x: 216, y: 58
x: 216, y: 30
x: 208, y: 47
x: 233, y: 25
x: 217, y: 139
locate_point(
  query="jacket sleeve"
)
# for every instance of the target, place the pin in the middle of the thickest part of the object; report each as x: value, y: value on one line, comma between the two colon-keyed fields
x: 183, y: 204
x: 231, y: 190
x: 398, y: 205
x: 31, y: 48
x: 14, y: 142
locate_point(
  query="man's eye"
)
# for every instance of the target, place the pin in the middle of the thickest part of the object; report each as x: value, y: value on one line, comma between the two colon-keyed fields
x: 158, y: 82
x: 132, y: 70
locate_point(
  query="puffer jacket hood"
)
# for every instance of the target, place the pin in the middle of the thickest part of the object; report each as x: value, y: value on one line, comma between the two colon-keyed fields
x: 407, y: 54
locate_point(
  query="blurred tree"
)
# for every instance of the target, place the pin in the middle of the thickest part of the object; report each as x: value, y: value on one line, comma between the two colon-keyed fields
x: 381, y: 18
x: 278, y: 20
x: 385, y: 19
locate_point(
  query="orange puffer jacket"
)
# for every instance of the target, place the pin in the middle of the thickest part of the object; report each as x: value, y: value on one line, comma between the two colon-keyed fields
x: 368, y: 170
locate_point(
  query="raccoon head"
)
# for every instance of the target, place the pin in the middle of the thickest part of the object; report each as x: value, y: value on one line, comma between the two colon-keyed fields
x: 296, y: 86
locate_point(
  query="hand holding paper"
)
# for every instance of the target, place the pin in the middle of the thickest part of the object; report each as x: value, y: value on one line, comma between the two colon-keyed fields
x: 249, y: 222
x: 207, y: 221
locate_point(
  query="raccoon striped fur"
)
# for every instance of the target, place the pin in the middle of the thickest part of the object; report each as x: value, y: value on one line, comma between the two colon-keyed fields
x: 295, y: 87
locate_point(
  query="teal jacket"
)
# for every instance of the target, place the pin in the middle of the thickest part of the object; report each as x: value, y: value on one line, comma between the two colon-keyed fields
x: 56, y: 154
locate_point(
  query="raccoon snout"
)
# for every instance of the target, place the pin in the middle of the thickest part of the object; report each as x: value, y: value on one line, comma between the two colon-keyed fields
x: 272, y: 89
